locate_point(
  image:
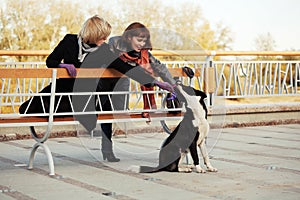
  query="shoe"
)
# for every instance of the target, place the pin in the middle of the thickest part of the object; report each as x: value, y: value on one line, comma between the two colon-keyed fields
x: 146, y: 115
x: 109, y: 156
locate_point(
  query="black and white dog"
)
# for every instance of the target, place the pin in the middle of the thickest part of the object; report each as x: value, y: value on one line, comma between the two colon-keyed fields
x: 190, y: 133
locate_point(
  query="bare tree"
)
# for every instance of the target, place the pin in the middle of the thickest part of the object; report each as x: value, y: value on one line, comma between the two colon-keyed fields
x: 176, y: 26
x: 265, y: 42
x: 40, y: 25
x: 37, y: 25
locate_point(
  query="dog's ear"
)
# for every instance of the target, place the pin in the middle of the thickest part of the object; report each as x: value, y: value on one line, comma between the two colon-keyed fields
x: 203, y: 104
x: 203, y: 95
x: 200, y: 93
x: 188, y: 71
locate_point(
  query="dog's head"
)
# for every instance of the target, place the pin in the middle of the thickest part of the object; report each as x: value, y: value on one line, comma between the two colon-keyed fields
x: 187, y: 95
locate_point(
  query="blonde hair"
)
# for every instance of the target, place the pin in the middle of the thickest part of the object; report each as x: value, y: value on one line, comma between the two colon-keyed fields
x: 94, y: 29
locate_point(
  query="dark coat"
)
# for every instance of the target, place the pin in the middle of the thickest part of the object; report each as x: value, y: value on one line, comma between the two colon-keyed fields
x: 67, y: 51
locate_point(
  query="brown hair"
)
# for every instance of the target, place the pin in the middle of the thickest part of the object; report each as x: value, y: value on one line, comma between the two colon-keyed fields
x: 137, y: 29
x: 94, y: 29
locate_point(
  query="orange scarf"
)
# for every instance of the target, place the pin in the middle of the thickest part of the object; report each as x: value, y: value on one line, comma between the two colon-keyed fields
x: 143, y: 60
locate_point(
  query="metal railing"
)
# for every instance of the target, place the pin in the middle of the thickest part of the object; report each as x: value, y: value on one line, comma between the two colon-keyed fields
x: 241, y: 79
x: 224, y: 79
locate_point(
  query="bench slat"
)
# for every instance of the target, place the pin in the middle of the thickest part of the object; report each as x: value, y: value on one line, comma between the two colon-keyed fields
x: 34, y: 119
x: 81, y: 73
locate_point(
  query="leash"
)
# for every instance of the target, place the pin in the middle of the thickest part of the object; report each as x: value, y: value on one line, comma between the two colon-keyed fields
x: 214, y: 145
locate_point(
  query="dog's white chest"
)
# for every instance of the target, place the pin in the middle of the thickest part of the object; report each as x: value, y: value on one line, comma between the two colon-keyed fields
x: 198, y: 112
x: 199, y: 121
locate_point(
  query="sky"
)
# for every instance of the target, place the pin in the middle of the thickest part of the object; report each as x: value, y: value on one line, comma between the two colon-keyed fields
x: 249, y: 18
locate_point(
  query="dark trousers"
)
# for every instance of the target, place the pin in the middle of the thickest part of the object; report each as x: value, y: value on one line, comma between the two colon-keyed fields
x: 119, y: 102
x: 106, y: 127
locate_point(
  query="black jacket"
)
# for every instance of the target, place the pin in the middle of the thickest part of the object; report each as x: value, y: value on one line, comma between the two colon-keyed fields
x: 67, y: 51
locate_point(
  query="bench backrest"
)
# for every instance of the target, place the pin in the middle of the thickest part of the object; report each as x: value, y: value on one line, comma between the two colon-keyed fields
x: 19, y: 84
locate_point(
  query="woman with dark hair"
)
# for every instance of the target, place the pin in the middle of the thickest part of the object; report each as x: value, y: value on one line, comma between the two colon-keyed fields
x: 134, y: 47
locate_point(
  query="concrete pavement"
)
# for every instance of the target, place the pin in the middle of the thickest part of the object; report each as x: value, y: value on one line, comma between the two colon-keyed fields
x: 259, y: 162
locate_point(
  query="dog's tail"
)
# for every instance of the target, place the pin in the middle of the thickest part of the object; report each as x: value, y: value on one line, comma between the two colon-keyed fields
x: 147, y: 169
x: 143, y: 169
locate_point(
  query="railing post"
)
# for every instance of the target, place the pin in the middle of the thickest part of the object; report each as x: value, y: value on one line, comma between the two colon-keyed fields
x: 209, y: 78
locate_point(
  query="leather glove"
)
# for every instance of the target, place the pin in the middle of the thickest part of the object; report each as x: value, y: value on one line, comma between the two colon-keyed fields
x: 70, y: 68
x: 164, y: 85
x: 173, y: 96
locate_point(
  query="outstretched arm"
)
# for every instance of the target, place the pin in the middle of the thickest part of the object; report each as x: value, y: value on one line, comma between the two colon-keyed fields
x: 139, y: 74
x: 104, y: 58
x: 161, y: 69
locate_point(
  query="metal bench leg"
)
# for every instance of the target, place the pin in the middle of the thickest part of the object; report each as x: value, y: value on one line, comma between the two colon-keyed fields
x: 40, y: 142
x: 48, y: 154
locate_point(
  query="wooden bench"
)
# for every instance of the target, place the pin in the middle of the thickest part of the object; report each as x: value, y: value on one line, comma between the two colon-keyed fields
x: 12, y: 98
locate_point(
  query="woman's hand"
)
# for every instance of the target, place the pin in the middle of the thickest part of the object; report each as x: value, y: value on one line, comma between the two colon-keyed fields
x: 70, y: 68
x: 164, y: 85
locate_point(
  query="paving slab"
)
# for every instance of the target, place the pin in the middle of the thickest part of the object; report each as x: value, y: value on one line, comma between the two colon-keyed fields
x: 259, y: 162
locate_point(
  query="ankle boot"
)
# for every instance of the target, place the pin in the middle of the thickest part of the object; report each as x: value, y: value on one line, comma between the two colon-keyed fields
x: 109, y: 155
x: 107, y: 150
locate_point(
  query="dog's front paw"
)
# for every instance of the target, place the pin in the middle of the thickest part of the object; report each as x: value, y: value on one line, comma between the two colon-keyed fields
x: 185, y: 169
x: 198, y: 169
x: 212, y: 169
